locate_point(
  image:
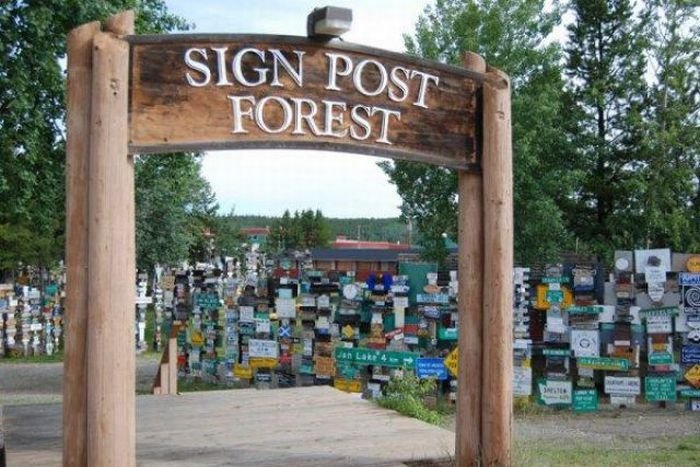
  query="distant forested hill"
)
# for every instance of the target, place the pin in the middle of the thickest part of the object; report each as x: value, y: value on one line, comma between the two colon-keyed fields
x: 388, y: 230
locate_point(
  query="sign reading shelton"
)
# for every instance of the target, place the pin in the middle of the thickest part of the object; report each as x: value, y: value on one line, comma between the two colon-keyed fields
x: 224, y: 91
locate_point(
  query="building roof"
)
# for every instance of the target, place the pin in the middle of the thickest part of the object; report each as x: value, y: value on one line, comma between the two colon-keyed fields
x: 358, y: 254
x: 342, y: 242
x: 256, y: 230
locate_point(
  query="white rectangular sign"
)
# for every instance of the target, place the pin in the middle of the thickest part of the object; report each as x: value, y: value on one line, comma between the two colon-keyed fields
x: 286, y: 308
x: 247, y: 314
x: 659, y: 325
x: 556, y: 392
x: 623, y: 385
x: 262, y: 348
x: 522, y: 381
x: 585, y: 343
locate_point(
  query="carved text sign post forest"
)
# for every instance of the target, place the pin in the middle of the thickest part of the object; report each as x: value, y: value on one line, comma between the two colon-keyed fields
x: 145, y: 94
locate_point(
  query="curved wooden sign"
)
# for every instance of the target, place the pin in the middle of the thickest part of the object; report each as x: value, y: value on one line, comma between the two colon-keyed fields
x: 194, y: 92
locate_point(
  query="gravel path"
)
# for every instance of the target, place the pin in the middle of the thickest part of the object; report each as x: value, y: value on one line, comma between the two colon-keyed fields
x: 609, y: 427
x: 42, y: 383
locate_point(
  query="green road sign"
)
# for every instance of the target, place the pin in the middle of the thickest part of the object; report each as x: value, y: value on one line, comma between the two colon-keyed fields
x: 603, y: 363
x: 660, y: 388
x: 376, y: 357
x: 585, y: 400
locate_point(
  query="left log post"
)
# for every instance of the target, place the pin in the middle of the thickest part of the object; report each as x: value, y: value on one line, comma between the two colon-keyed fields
x: 111, y: 426
x: 76, y: 325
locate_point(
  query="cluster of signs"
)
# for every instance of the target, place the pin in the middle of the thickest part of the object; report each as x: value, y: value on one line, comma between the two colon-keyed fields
x: 296, y: 326
x: 31, y: 319
x: 649, y: 307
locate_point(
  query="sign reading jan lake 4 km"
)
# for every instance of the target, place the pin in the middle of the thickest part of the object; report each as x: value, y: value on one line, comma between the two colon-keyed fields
x: 235, y: 91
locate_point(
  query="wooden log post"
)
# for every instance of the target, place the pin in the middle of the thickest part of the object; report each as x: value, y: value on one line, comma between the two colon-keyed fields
x: 497, y: 166
x: 110, y: 344
x: 470, y: 274
x: 76, y: 325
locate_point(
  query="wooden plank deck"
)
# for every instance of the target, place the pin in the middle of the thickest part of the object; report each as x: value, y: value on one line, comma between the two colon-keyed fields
x: 314, y: 426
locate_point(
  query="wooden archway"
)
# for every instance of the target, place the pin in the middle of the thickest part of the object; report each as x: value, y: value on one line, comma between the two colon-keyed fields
x: 129, y: 94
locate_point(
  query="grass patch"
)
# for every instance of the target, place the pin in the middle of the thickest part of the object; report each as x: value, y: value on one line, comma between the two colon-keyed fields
x: 56, y: 357
x: 405, y: 395
x: 677, y: 452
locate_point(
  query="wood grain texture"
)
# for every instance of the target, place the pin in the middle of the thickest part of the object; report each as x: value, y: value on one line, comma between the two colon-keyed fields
x: 497, y: 413
x: 110, y: 342
x: 471, y: 283
x: 315, y: 426
x: 168, y: 114
x: 76, y: 319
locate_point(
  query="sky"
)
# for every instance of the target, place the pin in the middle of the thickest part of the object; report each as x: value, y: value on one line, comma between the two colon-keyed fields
x: 268, y: 182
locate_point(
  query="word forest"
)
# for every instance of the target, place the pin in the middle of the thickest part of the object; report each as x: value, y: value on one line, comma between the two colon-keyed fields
x: 250, y: 69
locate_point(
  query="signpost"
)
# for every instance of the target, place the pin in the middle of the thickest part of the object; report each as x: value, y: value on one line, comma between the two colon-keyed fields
x: 144, y: 94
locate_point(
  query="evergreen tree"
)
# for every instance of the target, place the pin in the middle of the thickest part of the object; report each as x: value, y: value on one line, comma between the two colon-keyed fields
x: 606, y: 68
x: 668, y: 204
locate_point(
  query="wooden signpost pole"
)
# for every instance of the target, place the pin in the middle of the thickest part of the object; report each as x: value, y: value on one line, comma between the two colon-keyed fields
x: 76, y: 326
x: 110, y: 342
x: 471, y: 245
x: 497, y: 166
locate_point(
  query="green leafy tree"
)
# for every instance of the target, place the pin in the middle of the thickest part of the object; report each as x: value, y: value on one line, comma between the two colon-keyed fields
x: 510, y: 35
x: 606, y: 66
x: 32, y: 113
x: 175, y: 208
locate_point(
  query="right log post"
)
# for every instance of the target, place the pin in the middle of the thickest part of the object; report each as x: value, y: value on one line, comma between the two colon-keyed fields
x: 497, y: 371
x: 484, y: 391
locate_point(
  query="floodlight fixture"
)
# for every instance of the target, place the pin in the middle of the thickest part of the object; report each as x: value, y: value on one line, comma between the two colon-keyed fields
x: 328, y: 22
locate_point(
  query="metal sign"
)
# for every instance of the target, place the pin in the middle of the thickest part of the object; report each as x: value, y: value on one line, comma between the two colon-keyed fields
x: 693, y: 376
x: 431, y: 368
x: 263, y: 348
x: 660, y: 388
x: 690, y: 354
x: 376, y: 357
x: 452, y: 362
x: 585, y: 343
x: 585, y: 400
x: 603, y: 363
x: 553, y: 392
x: 623, y: 385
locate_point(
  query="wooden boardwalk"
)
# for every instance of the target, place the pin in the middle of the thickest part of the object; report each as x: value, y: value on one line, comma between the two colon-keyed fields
x: 314, y: 426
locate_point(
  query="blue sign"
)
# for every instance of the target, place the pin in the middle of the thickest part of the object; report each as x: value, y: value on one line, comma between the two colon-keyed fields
x: 688, y: 278
x: 431, y: 368
x: 690, y: 354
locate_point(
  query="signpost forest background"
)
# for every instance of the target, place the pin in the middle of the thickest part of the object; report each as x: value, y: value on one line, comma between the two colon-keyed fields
x: 605, y: 143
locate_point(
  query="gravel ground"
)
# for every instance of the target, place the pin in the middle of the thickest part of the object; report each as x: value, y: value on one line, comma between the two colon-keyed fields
x: 610, y: 427
x: 42, y: 383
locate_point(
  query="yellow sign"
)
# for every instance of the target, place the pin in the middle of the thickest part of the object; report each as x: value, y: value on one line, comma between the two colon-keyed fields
x: 348, y: 331
x: 693, y: 376
x: 541, y: 303
x: 260, y: 362
x: 243, y: 372
x: 693, y: 263
x: 348, y: 385
x: 452, y: 361
x: 196, y: 338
